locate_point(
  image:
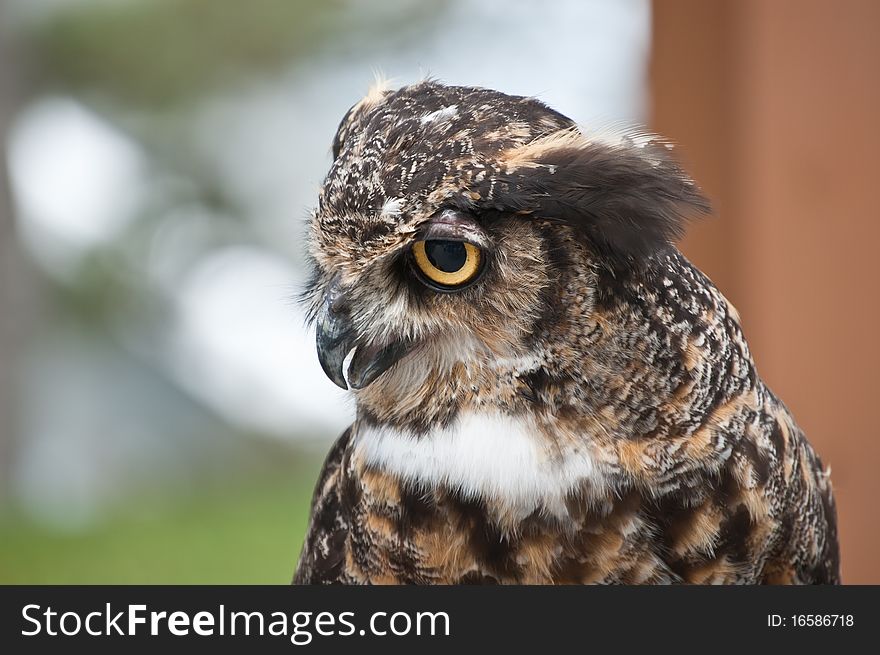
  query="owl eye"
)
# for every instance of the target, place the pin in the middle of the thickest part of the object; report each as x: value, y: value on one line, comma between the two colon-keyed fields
x: 447, y: 265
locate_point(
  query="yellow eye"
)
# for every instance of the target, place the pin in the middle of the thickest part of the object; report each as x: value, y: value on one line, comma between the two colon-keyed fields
x: 447, y: 263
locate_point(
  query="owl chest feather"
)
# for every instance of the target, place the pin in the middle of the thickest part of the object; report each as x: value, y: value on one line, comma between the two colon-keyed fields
x: 485, y: 500
x: 485, y: 457
x: 481, y: 501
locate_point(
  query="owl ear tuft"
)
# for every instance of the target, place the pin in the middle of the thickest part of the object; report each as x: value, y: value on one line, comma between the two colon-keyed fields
x: 626, y: 196
x: 378, y: 91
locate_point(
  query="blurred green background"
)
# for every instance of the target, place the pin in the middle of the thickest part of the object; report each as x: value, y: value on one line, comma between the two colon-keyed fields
x: 162, y: 412
x: 247, y: 530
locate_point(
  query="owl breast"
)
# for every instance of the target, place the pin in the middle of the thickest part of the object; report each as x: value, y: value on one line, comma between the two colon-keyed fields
x: 487, y: 457
x: 486, y: 499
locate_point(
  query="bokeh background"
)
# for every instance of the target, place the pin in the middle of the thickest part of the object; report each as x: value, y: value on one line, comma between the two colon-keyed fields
x: 162, y: 412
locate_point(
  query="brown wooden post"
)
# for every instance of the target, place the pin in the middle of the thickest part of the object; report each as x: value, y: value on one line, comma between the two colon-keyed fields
x: 776, y: 106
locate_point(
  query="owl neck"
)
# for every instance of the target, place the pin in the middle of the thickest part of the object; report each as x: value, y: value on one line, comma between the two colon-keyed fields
x: 627, y: 369
x: 643, y: 355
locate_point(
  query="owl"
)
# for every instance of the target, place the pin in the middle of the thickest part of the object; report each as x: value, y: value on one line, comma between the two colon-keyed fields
x: 547, y: 391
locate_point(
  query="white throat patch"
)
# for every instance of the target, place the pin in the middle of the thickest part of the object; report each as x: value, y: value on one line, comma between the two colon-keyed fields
x: 499, y: 459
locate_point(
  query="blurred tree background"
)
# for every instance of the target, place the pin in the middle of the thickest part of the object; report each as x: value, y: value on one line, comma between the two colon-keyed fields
x: 162, y: 414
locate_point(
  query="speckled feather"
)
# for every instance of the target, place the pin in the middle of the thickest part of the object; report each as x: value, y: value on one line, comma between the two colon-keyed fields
x: 633, y: 439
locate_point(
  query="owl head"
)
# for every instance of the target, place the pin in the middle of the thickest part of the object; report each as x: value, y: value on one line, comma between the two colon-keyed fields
x: 450, y: 219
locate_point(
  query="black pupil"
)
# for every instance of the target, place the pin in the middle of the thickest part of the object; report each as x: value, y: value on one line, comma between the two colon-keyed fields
x: 448, y: 256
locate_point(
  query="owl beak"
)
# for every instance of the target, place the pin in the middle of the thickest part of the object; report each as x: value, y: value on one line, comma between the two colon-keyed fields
x: 372, y: 360
x: 334, y: 340
x: 336, y: 337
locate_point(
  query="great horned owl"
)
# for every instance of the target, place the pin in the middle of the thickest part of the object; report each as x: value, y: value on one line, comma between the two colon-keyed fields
x: 547, y: 390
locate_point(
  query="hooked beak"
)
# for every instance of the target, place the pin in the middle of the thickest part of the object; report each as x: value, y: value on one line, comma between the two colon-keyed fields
x: 336, y: 336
